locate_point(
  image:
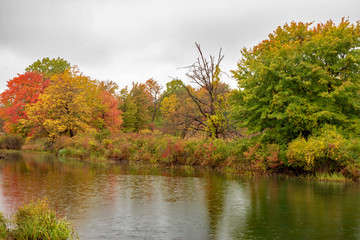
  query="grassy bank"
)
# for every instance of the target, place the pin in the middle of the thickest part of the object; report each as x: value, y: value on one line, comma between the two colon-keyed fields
x: 326, y: 156
x: 36, y: 221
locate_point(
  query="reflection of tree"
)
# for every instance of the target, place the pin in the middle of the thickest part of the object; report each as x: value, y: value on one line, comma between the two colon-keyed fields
x: 256, y: 208
x: 73, y: 186
x: 67, y: 185
x: 111, y: 188
x: 11, y: 188
x: 285, y: 209
x: 215, y: 191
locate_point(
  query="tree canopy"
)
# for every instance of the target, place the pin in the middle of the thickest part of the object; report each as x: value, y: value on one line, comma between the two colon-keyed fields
x: 178, y: 110
x: 21, y: 90
x: 135, y: 105
x: 71, y: 104
x: 64, y: 107
x: 49, y: 67
x: 300, y: 79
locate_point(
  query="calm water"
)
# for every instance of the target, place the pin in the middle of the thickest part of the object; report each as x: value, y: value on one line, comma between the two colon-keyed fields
x: 118, y: 201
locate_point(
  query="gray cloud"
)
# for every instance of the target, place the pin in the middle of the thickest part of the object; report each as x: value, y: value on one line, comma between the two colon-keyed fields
x: 133, y: 40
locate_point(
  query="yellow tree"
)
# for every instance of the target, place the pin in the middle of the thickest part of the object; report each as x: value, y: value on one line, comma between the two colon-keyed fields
x: 65, y: 107
x: 179, y: 112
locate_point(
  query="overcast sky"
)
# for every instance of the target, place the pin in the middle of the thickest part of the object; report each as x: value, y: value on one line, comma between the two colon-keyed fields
x: 134, y: 40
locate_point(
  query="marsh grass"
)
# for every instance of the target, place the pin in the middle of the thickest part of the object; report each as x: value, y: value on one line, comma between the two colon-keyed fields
x: 35, y: 221
x: 333, y: 177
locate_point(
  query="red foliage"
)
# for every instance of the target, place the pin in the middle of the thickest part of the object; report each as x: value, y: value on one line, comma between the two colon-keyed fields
x: 209, y: 148
x: 264, y: 157
x: 111, y: 115
x: 21, y: 90
x: 174, y: 150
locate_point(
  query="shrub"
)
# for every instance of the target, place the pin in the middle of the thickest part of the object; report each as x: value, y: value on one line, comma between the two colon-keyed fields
x: 170, y: 150
x: 101, y: 135
x: 264, y: 157
x: 37, y: 144
x: 81, y: 146
x: 38, y: 221
x: 11, y: 142
x: 351, y: 158
x: 61, y: 143
x: 328, y: 151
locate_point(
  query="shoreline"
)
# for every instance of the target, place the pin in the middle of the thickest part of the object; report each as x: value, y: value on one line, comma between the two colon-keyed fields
x: 227, y: 171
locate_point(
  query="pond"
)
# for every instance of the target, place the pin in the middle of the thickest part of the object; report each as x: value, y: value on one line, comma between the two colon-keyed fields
x: 127, y: 201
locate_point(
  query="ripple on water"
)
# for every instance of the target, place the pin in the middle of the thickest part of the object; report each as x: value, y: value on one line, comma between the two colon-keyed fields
x: 117, y: 201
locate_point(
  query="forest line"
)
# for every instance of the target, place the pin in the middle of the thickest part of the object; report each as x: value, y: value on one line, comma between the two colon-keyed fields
x: 296, y: 109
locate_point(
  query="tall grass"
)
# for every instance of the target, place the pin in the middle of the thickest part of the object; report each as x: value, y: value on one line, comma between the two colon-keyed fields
x: 334, y: 177
x: 37, y: 221
x: 4, y: 233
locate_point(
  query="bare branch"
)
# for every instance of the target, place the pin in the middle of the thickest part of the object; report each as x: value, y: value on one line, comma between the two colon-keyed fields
x: 204, y: 73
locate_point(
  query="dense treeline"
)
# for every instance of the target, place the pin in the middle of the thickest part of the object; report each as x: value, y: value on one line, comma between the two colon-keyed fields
x: 296, y: 109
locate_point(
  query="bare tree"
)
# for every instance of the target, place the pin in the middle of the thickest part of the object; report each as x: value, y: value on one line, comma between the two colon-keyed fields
x: 210, y: 95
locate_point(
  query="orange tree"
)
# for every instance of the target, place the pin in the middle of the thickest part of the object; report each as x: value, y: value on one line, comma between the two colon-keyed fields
x: 72, y: 103
x: 108, y: 115
x: 21, y: 90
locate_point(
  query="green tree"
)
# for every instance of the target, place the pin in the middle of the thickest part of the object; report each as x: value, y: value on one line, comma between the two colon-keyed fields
x: 129, y: 110
x: 135, y: 107
x: 175, y: 86
x: 49, y: 67
x: 300, y: 79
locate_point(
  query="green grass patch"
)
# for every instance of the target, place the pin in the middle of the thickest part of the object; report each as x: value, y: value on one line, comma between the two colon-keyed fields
x: 35, y: 221
x: 334, y: 177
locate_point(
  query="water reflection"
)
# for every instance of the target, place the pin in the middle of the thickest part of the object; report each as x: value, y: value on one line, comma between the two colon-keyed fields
x: 120, y: 201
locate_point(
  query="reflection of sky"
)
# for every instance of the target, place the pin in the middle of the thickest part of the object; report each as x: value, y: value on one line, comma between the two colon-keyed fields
x: 151, y: 206
x: 3, y: 206
x: 236, y: 205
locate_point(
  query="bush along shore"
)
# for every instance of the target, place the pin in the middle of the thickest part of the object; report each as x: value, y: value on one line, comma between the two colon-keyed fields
x: 36, y: 220
x: 327, y: 155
